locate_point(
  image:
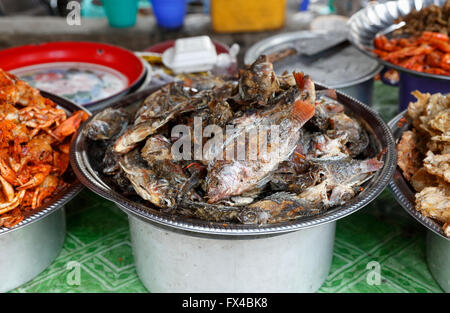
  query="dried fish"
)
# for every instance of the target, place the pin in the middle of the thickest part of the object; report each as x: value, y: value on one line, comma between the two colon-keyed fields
x: 233, y: 177
x: 107, y: 123
x: 317, y: 162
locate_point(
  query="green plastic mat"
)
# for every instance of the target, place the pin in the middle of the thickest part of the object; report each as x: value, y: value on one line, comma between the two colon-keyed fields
x: 378, y: 249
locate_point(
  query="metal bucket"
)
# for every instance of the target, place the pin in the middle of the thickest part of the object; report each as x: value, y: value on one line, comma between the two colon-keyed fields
x: 171, y: 260
x: 30, y: 246
x: 438, y: 245
x: 27, y: 251
x: 178, y: 253
x: 438, y: 259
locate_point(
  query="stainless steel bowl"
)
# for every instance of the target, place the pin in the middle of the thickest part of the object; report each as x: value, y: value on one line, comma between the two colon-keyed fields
x: 438, y: 245
x: 176, y: 253
x: 29, y: 247
x: 370, y: 21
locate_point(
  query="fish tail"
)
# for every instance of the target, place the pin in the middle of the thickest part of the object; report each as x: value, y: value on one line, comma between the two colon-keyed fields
x: 303, y: 111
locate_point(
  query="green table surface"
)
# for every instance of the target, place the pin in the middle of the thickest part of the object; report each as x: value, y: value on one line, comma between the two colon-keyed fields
x: 98, y: 240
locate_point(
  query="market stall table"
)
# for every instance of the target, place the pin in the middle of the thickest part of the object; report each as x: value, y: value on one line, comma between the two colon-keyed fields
x: 97, y: 255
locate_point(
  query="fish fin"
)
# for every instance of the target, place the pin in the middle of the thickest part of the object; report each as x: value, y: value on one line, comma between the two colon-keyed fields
x: 303, y: 111
x: 300, y: 80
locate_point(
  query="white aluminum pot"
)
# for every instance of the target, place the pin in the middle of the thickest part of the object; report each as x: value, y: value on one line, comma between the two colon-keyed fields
x: 26, y: 252
x: 438, y: 259
x: 171, y: 260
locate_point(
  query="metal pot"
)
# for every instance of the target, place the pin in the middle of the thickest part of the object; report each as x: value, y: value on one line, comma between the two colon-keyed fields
x: 29, y: 247
x: 177, y: 253
x: 438, y: 245
x: 343, y: 67
x: 172, y: 260
x: 438, y: 259
x: 28, y: 251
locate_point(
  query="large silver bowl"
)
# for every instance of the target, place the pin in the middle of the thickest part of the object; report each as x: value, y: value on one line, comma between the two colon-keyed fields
x: 438, y: 245
x: 30, y: 246
x: 402, y: 190
x: 370, y: 21
x: 381, y: 139
x: 180, y: 254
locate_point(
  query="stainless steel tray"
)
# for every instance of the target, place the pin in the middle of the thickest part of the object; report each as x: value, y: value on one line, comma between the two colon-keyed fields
x: 402, y: 190
x: 339, y: 67
x: 368, y: 22
x: 66, y: 194
x: 381, y: 140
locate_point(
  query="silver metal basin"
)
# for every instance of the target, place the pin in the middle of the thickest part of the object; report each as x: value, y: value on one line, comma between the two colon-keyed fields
x: 175, y: 253
x: 438, y: 245
x: 170, y: 260
x: 29, y: 247
x: 28, y: 251
x: 438, y: 259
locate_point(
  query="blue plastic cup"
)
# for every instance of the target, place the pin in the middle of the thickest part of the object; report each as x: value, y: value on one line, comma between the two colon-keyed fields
x: 121, y: 13
x: 169, y: 13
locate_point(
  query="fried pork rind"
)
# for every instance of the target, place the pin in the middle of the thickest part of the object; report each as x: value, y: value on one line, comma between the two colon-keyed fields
x: 415, y: 109
x: 439, y: 144
x: 422, y: 179
x: 438, y: 165
x: 408, y: 155
x: 446, y: 229
x: 434, y: 202
x: 430, y: 113
x: 424, y: 155
x: 441, y: 122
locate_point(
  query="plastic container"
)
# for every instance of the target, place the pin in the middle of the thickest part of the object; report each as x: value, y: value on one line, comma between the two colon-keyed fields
x: 195, y: 54
x: 247, y: 15
x: 121, y: 13
x: 169, y: 13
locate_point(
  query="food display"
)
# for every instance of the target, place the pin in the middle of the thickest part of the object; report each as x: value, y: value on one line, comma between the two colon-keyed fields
x: 429, y: 52
x: 424, y: 156
x: 322, y: 155
x: 432, y: 18
x: 422, y: 44
x: 34, y: 145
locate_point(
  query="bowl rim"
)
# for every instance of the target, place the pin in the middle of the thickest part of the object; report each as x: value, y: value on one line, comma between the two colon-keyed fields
x: 399, y: 186
x: 90, y: 178
x: 373, y: 9
x: 77, y: 56
x: 66, y: 194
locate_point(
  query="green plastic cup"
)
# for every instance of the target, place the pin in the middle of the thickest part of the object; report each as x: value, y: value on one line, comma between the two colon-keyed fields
x: 121, y: 13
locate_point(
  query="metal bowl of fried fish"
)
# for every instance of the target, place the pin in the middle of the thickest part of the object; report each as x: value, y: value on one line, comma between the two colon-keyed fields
x: 332, y: 155
x: 421, y: 183
x: 35, y: 177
